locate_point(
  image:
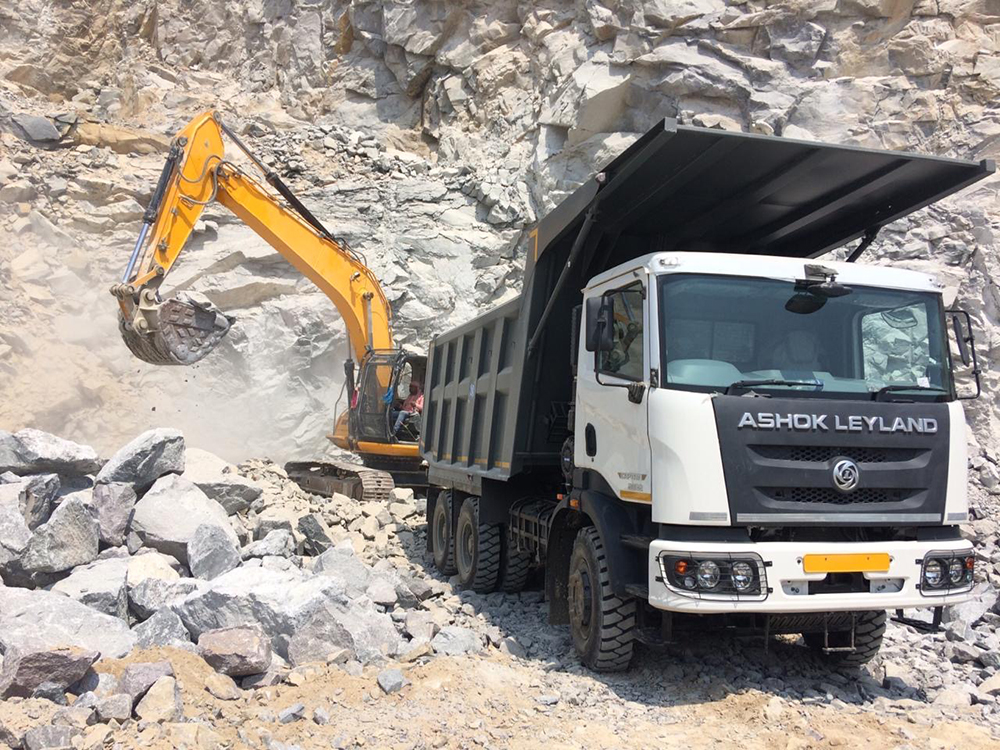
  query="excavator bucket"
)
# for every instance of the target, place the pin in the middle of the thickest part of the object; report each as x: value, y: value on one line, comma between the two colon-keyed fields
x: 187, y: 327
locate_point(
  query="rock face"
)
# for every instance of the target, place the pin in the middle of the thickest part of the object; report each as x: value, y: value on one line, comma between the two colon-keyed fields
x: 147, y: 458
x: 44, y: 620
x: 31, y: 451
x: 236, y: 652
x: 169, y: 514
x: 69, y: 538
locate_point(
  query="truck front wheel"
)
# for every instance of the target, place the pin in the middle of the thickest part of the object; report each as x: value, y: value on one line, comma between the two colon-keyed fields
x: 869, y: 627
x: 442, y: 532
x: 602, y: 624
x: 478, y: 549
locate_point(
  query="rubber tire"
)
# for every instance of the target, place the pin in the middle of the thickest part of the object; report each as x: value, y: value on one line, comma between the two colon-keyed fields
x: 442, y: 533
x: 602, y: 625
x: 478, y: 550
x: 514, y: 570
x: 868, y: 631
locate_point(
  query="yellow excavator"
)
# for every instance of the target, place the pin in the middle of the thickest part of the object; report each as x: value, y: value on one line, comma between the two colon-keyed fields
x: 182, y: 329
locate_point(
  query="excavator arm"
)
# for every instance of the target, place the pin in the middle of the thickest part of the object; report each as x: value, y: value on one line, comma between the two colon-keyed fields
x: 183, y: 329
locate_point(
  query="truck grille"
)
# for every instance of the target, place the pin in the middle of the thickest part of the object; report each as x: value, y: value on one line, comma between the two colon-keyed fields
x: 830, y: 496
x: 823, y: 453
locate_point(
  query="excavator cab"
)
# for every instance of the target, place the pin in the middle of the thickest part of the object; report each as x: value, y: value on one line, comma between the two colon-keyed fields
x: 383, y: 384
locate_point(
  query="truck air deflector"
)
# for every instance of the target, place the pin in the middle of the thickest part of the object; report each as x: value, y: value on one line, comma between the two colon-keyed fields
x: 687, y: 188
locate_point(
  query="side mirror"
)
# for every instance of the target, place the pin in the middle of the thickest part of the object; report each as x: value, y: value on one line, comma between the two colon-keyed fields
x: 600, y: 333
x: 961, y: 324
x: 961, y: 338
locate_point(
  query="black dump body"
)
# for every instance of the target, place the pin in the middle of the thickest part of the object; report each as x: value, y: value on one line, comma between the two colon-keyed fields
x: 494, y: 410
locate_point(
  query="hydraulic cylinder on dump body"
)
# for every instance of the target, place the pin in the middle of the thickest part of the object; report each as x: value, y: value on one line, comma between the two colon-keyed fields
x: 688, y: 411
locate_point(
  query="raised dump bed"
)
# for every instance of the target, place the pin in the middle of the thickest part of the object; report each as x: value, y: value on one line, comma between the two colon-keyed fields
x: 501, y: 386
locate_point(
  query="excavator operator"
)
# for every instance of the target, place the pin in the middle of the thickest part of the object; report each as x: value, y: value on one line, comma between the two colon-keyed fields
x: 413, y: 405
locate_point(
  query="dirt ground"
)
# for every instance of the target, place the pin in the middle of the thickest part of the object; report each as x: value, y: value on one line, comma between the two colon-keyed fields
x: 502, y: 702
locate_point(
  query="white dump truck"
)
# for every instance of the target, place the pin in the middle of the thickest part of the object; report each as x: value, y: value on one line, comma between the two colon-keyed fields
x: 691, y: 419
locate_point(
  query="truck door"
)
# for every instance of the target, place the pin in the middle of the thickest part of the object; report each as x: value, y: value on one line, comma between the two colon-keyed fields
x: 611, y: 435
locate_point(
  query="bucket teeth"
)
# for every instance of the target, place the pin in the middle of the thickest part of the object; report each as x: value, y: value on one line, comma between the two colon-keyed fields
x: 188, y: 328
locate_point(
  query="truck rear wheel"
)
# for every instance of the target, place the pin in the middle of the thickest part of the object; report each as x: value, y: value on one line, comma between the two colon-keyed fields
x: 443, y: 534
x: 477, y: 549
x: 869, y: 627
x: 602, y: 624
x: 515, y: 569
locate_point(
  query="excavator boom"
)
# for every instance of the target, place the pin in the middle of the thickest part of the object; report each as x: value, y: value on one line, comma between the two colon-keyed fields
x: 183, y: 329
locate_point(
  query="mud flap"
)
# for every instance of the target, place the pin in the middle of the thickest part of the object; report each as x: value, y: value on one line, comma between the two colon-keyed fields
x: 183, y: 329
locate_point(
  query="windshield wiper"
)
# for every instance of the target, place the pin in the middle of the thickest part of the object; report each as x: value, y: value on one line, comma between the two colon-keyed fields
x: 815, y: 384
x: 885, y: 390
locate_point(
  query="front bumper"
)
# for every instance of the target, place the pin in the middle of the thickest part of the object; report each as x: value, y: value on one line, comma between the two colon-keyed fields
x: 787, y: 589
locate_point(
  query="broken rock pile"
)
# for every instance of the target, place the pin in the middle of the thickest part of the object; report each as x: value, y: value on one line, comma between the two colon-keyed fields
x: 166, y: 546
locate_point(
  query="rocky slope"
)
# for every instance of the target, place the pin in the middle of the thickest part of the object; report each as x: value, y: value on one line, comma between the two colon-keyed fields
x: 430, y: 135
x: 166, y: 598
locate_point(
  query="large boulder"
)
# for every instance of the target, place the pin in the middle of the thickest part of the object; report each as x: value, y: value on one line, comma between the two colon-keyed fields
x: 151, y: 564
x: 26, y: 669
x: 153, y: 594
x: 366, y: 633
x: 100, y: 585
x: 278, y: 543
x: 162, y: 702
x: 14, y: 531
x: 164, y: 628
x: 31, y: 451
x: 341, y: 562
x: 147, y: 458
x: 219, y: 481
x: 171, y: 511
x: 37, y: 620
x: 280, y: 601
x: 113, y: 504
x: 211, y: 552
x: 138, y: 678
x: 35, y: 496
x: 454, y: 640
x: 69, y: 538
x: 237, y: 652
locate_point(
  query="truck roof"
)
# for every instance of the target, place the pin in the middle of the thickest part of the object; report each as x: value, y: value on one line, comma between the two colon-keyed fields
x: 705, y: 190
x: 786, y: 269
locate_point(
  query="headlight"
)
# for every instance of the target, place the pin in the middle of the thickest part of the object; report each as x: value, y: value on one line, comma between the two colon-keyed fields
x: 708, y: 574
x: 933, y: 573
x: 742, y: 576
x: 714, y: 575
x: 956, y: 571
x: 947, y: 573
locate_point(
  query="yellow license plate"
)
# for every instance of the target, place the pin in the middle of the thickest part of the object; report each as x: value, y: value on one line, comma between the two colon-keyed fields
x: 875, y: 562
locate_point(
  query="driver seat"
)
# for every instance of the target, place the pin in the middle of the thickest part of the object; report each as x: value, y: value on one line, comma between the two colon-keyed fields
x: 797, y: 350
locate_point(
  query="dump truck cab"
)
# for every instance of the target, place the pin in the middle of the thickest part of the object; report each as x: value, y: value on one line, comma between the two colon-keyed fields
x: 697, y: 415
x: 755, y: 403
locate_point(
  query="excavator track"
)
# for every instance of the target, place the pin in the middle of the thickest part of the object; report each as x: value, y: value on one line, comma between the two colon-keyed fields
x: 327, y: 477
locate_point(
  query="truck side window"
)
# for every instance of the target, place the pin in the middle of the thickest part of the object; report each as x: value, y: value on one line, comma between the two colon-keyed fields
x: 625, y: 358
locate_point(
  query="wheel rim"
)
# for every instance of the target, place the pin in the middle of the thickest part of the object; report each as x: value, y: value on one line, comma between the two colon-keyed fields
x: 440, y: 532
x: 465, y: 549
x: 581, y: 603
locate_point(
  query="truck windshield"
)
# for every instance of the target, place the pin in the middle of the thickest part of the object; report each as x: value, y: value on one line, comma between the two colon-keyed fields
x: 723, y: 333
